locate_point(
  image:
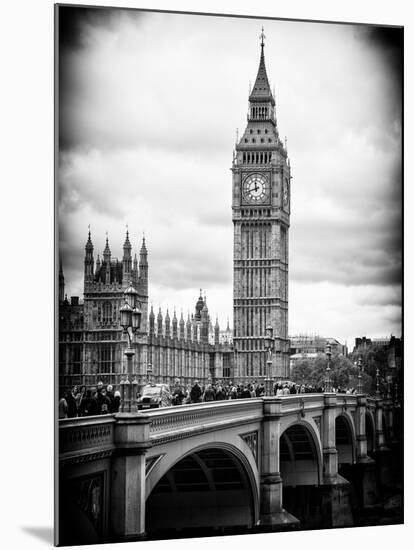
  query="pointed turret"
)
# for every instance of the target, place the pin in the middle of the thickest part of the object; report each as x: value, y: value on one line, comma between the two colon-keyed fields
x: 151, y: 322
x: 143, y: 266
x: 167, y: 325
x: 89, y: 245
x: 182, y: 327
x: 143, y: 254
x: 107, y: 251
x: 175, y: 326
x: 217, y: 333
x: 107, y: 261
x: 188, y: 328
x: 127, y: 260
x: 88, y: 272
x: 159, y: 323
x: 98, y: 266
x: 195, y: 324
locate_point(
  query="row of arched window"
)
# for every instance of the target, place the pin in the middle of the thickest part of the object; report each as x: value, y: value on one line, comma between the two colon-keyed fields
x: 259, y: 112
x: 257, y: 157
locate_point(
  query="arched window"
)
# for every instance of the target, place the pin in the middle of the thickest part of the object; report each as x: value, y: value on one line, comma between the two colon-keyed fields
x: 107, y: 312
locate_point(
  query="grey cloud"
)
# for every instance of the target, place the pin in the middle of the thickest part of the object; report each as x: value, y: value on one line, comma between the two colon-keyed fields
x: 195, y: 271
x: 387, y: 296
x: 147, y: 136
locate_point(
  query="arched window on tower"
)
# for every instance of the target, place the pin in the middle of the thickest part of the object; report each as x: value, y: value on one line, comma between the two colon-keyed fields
x: 107, y: 312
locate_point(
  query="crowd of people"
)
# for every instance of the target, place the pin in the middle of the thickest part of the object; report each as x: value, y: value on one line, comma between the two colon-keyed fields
x: 80, y: 401
x: 220, y: 391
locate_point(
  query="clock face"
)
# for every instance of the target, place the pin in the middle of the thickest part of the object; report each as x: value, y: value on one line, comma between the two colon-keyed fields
x: 255, y: 189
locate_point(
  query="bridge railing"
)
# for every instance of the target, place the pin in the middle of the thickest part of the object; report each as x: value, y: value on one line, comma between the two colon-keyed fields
x: 89, y: 435
x: 346, y: 399
x: 302, y: 401
x: 85, y: 435
x: 201, y: 417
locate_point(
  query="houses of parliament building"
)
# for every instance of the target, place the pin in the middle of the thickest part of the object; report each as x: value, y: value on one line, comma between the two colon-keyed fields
x: 91, y: 339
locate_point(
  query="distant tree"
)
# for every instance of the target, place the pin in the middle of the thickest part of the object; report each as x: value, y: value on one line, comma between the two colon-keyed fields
x: 373, y: 358
x: 301, y: 372
x: 344, y: 373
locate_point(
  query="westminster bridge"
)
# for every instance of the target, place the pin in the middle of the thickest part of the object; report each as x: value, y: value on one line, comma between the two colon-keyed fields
x: 245, y: 465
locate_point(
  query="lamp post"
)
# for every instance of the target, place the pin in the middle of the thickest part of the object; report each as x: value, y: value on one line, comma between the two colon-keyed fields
x: 149, y: 373
x: 388, y: 388
x: 396, y: 395
x: 360, y: 388
x: 130, y: 322
x: 269, y: 345
x: 377, y: 391
x: 328, y: 382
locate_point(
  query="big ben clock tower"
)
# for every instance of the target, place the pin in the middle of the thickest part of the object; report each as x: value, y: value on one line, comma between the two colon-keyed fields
x: 261, y: 212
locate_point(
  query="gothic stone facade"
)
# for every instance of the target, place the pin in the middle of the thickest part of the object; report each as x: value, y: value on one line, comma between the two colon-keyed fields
x: 92, y: 342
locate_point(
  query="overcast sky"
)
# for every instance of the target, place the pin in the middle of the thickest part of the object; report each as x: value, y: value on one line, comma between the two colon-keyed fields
x: 149, y: 107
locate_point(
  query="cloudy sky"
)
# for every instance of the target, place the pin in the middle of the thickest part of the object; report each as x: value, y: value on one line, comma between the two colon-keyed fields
x: 149, y: 107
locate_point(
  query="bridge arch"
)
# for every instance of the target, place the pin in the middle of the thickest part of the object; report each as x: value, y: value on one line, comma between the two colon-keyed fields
x: 345, y: 438
x: 300, y: 454
x: 211, y: 485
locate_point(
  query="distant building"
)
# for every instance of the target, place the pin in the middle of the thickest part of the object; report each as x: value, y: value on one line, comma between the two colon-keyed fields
x: 305, y: 346
x: 391, y: 344
x: 365, y: 343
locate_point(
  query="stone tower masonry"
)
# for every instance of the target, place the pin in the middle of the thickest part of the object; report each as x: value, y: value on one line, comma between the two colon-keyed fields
x: 261, y: 212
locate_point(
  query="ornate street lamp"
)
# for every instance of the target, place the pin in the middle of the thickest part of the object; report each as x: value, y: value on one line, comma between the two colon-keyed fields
x: 269, y: 345
x: 377, y: 391
x: 328, y: 382
x: 396, y: 401
x: 360, y: 388
x: 149, y: 373
x: 130, y: 315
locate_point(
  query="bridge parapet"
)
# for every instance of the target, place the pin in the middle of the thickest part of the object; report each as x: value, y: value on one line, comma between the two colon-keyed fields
x: 301, y: 403
x: 345, y: 400
x: 86, y: 437
x: 178, y: 422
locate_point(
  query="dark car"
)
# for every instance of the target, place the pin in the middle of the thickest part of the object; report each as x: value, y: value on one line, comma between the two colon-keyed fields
x: 154, y: 396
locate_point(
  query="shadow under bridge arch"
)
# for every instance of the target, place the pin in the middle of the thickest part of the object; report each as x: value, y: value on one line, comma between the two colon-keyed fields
x: 345, y: 440
x: 300, y: 456
x: 208, y: 488
x: 301, y: 473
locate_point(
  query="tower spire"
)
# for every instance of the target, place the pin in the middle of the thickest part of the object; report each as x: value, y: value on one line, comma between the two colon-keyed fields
x: 127, y: 259
x: 107, y: 261
x: 262, y: 38
x: 89, y: 261
x: 261, y: 88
